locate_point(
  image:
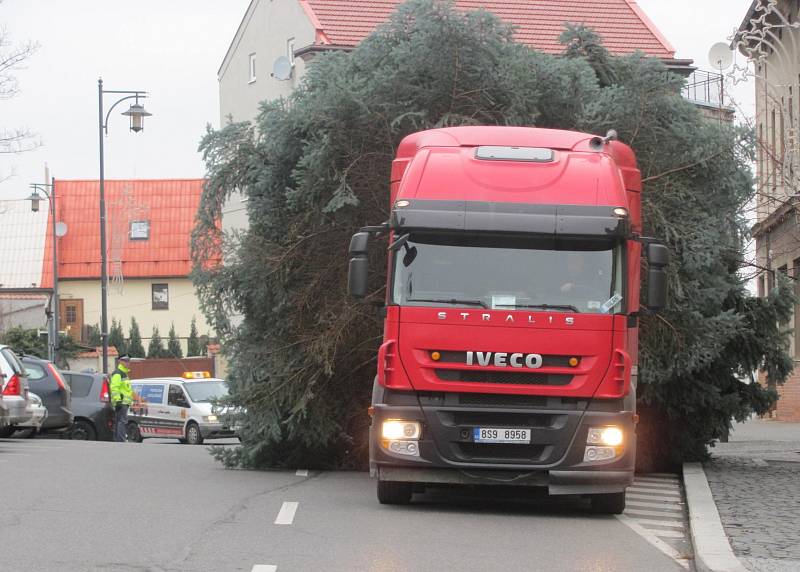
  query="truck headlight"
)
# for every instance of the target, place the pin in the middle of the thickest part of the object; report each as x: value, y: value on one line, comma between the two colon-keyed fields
x: 394, y: 429
x: 608, y: 436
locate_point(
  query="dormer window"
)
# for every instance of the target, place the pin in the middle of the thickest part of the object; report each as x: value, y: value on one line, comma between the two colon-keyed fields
x: 140, y: 230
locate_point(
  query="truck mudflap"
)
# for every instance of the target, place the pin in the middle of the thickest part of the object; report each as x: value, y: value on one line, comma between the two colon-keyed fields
x: 556, y: 482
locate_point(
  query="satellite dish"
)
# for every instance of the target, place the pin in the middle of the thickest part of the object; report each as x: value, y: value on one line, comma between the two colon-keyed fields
x: 282, y: 68
x: 61, y: 229
x: 720, y: 56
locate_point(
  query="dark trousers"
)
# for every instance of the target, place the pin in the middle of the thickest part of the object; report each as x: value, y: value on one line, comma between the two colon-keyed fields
x: 121, y: 423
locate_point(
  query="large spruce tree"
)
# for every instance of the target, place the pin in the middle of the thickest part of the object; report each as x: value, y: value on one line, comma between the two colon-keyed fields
x: 315, y: 167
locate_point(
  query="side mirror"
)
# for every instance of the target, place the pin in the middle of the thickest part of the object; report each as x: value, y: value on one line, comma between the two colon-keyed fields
x: 657, y: 260
x: 359, y: 265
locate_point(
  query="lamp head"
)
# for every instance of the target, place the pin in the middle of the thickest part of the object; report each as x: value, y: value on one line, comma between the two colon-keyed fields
x: 35, y: 199
x: 137, y: 114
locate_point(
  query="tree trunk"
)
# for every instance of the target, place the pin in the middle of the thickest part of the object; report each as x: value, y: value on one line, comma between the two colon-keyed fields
x: 654, y: 435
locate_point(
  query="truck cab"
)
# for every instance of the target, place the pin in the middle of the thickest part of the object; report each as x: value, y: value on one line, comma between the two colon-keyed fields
x: 510, y: 343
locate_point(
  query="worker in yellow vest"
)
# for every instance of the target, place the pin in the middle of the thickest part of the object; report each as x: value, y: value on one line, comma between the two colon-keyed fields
x: 121, y: 397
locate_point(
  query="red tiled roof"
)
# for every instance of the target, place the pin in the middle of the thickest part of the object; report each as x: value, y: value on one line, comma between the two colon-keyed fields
x: 538, y: 23
x: 170, y: 206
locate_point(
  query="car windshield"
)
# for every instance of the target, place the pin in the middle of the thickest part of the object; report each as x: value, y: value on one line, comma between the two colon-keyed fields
x: 206, y: 391
x: 508, y: 273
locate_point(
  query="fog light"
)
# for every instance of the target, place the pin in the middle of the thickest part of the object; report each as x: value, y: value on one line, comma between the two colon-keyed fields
x: 573, y: 361
x: 408, y: 448
x: 599, y: 454
x: 399, y: 429
x: 436, y: 356
x: 611, y: 436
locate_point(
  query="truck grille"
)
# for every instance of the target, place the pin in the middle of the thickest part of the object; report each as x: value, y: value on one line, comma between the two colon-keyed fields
x: 494, y: 452
x: 508, y: 377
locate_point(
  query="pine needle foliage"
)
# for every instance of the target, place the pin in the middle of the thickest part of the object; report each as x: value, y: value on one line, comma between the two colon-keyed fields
x: 315, y: 167
x: 174, y: 349
x: 135, y: 347
x: 116, y: 338
x: 155, y: 349
x: 193, y: 343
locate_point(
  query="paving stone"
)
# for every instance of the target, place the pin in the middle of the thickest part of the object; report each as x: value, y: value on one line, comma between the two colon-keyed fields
x: 756, y: 487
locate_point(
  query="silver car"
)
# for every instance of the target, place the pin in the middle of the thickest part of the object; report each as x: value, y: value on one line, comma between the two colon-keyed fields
x: 13, y: 392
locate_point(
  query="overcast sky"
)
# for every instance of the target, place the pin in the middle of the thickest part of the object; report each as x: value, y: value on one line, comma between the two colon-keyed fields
x: 172, y: 49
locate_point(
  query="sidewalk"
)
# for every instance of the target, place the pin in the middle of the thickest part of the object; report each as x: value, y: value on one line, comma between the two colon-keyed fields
x: 755, y: 481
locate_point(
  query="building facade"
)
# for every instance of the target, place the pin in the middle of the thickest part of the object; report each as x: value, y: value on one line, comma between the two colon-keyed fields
x: 770, y: 38
x: 149, y: 226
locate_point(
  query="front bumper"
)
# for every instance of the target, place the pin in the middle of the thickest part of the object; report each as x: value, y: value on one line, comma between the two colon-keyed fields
x: 217, y: 431
x: 554, y: 459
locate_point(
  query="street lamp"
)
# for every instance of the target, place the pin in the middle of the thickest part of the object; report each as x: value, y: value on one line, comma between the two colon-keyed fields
x: 136, y: 113
x: 35, y: 199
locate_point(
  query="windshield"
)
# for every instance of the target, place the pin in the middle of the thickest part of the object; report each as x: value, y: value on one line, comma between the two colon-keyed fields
x: 206, y: 391
x: 508, y: 273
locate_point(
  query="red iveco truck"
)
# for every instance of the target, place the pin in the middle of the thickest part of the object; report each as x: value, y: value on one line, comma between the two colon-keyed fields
x: 509, y: 351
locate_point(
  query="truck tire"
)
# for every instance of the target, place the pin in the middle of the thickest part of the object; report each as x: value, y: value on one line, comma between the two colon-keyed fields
x: 390, y: 492
x: 612, y: 503
x: 193, y: 435
x: 7, y: 431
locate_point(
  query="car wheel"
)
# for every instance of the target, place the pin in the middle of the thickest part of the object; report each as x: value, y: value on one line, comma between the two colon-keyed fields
x: 394, y: 493
x: 134, y: 435
x: 193, y: 435
x: 613, y: 503
x: 82, y: 430
x: 7, y: 431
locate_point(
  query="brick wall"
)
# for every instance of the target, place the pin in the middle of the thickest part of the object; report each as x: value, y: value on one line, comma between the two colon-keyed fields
x: 788, y: 407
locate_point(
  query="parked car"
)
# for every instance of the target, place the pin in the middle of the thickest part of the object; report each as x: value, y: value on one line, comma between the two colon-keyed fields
x: 93, y: 416
x: 45, y: 381
x: 13, y: 392
x: 38, y: 415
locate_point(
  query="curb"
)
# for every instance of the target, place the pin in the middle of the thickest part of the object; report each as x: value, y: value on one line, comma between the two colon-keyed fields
x: 712, y: 551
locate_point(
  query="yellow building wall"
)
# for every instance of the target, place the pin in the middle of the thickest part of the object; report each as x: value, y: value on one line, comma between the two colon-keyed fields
x: 134, y: 299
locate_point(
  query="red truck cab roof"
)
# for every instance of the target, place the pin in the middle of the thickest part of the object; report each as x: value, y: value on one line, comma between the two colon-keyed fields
x: 443, y: 164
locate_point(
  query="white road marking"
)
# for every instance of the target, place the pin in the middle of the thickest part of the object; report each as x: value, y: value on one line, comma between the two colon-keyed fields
x: 656, y: 492
x: 286, y: 514
x: 642, y: 504
x: 302, y: 472
x: 653, y: 539
x: 264, y: 568
x: 669, y: 523
x: 635, y: 512
x: 665, y: 500
x: 656, y: 486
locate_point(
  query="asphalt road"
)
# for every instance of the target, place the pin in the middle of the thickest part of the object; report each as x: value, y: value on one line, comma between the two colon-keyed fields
x: 162, y: 506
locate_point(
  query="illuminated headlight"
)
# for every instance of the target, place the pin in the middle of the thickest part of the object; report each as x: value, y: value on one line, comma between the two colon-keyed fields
x: 609, y: 436
x: 599, y: 454
x: 398, y: 429
x: 210, y: 418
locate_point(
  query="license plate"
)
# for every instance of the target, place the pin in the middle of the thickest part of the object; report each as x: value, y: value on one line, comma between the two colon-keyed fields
x: 500, y: 435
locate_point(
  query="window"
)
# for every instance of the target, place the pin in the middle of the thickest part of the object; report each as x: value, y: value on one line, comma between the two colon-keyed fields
x: 34, y: 371
x: 762, y: 287
x: 176, y: 396
x: 150, y: 393
x: 79, y: 385
x: 160, y: 296
x: 139, y: 230
x: 252, y: 67
x: 796, y: 276
x: 290, y: 50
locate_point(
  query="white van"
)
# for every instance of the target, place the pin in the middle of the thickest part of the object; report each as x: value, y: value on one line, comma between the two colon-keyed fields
x: 182, y: 408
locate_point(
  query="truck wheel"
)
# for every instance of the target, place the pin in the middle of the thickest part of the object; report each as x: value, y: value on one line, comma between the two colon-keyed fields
x: 134, y: 435
x: 7, y: 431
x: 613, y: 503
x: 193, y: 435
x: 390, y: 492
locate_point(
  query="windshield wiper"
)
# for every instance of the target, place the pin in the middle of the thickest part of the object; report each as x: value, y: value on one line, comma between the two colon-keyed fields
x: 566, y: 307
x: 450, y: 301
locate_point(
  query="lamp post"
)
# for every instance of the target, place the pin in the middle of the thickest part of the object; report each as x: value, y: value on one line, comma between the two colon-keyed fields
x: 34, y: 198
x: 136, y: 113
